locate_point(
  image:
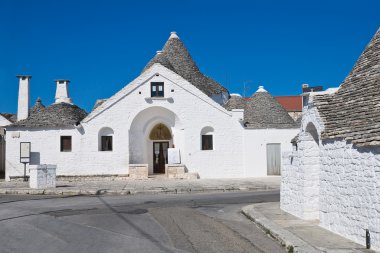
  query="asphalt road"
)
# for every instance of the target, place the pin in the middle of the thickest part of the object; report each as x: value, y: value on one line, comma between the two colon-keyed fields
x: 141, y: 223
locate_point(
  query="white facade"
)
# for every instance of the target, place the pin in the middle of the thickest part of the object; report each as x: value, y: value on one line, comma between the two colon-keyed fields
x: 255, y: 148
x: 332, y: 181
x: 131, y: 114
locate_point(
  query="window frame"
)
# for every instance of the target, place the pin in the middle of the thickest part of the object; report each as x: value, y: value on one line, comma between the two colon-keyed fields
x: 157, y: 93
x: 103, y: 147
x: 203, y: 142
x: 62, y: 145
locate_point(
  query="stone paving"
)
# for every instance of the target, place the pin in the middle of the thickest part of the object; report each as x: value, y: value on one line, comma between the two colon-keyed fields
x: 299, y: 235
x: 152, y: 185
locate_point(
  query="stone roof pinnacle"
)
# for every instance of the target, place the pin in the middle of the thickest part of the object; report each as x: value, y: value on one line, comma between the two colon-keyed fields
x: 261, y: 89
x: 173, y: 35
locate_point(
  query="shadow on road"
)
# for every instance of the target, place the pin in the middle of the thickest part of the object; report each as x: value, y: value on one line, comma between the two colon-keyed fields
x: 143, y: 233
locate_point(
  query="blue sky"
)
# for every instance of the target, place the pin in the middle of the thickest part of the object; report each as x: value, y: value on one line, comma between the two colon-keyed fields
x: 103, y: 45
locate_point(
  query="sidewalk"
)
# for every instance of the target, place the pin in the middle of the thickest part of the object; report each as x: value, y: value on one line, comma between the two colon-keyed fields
x: 155, y: 185
x: 298, y: 235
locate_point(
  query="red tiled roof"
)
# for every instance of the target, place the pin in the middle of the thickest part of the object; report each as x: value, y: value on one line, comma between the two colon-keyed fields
x: 290, y: 103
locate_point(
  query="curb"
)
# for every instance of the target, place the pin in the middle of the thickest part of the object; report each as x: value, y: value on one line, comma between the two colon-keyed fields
x: 291, y: 242
x: 130, y: 191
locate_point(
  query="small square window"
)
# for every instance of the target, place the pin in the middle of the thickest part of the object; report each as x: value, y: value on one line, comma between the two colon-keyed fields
x: 65, y: 143
x: 207, y: 142
x: 106, y: 144
x: 157, y: 89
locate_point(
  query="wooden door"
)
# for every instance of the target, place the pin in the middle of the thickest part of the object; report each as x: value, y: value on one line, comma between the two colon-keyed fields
x: 160, y: 156
x: 273, y: 159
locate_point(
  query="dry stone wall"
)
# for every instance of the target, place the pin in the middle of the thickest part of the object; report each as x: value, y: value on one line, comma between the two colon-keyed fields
x: 300, y: 179
x: 350, y: 191
x: 300, y: 170
x: 333, y: 181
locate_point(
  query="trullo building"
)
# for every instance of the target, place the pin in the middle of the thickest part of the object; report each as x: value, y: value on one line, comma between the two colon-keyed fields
x: 170, y: 104
x: 333, y: 174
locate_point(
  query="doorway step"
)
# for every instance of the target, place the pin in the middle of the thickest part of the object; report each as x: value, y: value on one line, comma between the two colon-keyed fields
x: 179, y: 171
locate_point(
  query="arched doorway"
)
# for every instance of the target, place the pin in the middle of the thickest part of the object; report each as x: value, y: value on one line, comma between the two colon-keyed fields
x: 161, y: 136
x: 144, y: 130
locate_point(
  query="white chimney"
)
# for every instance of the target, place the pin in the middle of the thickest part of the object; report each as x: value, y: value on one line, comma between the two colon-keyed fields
x: 23, y: 97
x: 62, y: 92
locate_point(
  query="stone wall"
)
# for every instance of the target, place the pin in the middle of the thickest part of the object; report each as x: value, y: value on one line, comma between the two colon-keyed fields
x: 292, y: 184
x: 335, y: 182
x: 350, y: 191
x: 300, y: 170
x: 300, y: 179
x: 138, y: 171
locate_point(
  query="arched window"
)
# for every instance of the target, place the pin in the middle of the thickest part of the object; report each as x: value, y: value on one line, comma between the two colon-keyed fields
x: 160, y: 132
x: 106, y: 139
x: 207, y: 142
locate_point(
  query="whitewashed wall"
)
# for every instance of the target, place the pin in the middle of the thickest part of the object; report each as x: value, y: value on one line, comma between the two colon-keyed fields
x: 255, y: 141
x: 185, y: 111
x: 45, y: 148
x: 300, y: 179
x: 347, y: 184
x: 350, y: 191
x: 131, y: 113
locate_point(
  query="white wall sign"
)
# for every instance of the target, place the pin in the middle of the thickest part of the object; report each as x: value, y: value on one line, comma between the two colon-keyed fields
x: 174, y: 156
x: 24, y: 152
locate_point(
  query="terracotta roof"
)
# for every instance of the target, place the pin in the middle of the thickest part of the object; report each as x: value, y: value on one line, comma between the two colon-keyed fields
x: 55, y: 115
x: 353, y: 112
x: 176, y: 57
x: 290, y: 103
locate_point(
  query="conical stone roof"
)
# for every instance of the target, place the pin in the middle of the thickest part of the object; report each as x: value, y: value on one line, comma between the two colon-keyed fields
x: 353, y: 112
x: 264, y: 111
x: 235, y: 102
x: 180, y: 61
x: 55, y: 115
x: 37, y: 106
x: 161, y: 59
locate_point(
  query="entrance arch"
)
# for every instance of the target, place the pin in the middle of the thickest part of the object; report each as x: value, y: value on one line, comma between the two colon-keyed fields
x: 160, y: 132
x: 154, y: 127
x: 161, y: 137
